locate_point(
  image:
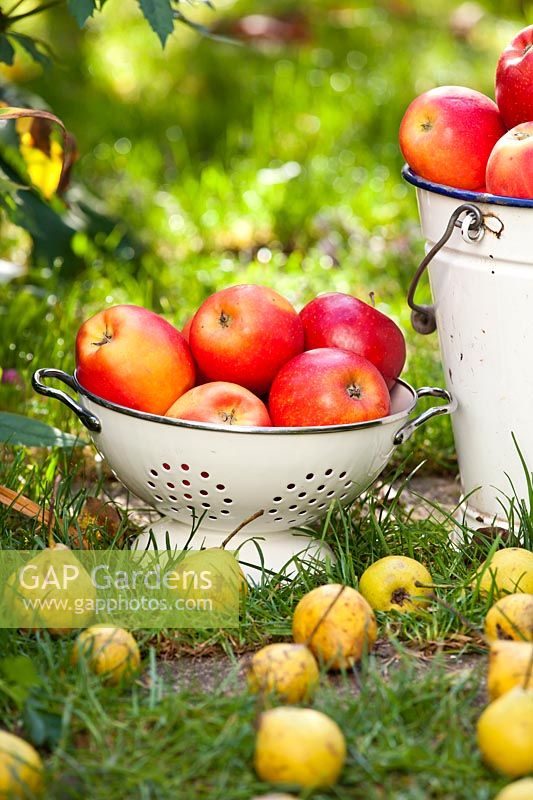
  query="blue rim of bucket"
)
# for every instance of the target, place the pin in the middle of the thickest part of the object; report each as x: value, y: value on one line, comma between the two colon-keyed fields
x: 462, y: 194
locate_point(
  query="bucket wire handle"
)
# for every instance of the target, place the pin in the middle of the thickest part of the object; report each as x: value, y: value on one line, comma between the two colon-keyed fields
x: 407, y: 430
x: 90, y: 421
x: 423, y: 316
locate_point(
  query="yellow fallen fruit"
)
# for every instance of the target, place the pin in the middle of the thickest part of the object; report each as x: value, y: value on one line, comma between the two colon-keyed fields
x: 509, y: 666
x: 505, y: 733
x: 109, y: 652
x: 299, y: 746
x: 508, y: 571
x: 287, y: 670
x: 519, y: 790
x: 511, y: 618
x: 336, y: 623
x: 275, y: 796
x: 21, y: 769
x: 390, y: 583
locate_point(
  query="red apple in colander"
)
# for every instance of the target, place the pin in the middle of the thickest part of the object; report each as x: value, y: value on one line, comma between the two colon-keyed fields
x: 135, y: 358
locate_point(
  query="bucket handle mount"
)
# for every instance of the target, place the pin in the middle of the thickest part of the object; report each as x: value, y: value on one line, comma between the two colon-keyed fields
x: 471, y: 224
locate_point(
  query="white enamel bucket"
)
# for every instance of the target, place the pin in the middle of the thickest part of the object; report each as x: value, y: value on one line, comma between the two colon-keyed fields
x: 481, y: 281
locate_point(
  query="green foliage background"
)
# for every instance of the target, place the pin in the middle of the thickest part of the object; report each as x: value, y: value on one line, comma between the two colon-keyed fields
x: 209, y: 163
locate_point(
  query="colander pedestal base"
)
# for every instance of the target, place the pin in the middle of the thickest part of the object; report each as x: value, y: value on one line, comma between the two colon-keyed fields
x: 272, y: 552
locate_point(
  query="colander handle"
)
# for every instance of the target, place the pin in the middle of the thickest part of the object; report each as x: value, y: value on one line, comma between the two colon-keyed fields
x: 410, y: 427
x: 90, y: 421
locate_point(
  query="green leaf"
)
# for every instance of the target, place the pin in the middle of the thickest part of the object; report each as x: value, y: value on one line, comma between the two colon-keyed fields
x: 7, y: 53
x: 18, y: 678
x: 43, y: 726
x: 32, y: 48
x: 18, y: 430
x: 159, y: 15
x: 81, y: 10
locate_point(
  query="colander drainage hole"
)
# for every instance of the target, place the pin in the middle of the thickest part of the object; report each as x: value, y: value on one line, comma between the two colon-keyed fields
x: 348, y: 483
x: 277, y: 499
x: 228, y: 501
x: 166, y: 466
x: 293, y: 508
x: 322, y: 505
x: 301, y: 513
x: 204, y: 492
x: 328, y: 472
x: 273, y: 510
x: 343, y: 496
x: 206, y: 505
x: 173, y: 508
x: 185, y: 482
x: 212, y: 516
x: 204, y: 475
x: 185, y: 467
x: 312, y: 500
x: 172, y: 497
x: 154, y: 473
x: 224, y: 511
x: 309, y: 476
x: 330, y: 494
x: 322, y: 486
x: 278, y: 519
x: 302, y: 494
x: 342, y: 475
x: 292, y: 521
x: 158, y: 498
x: 220, y: 487
x: 291, y: 486
x: 188, y: 497
x: 151, y: 484
x: 170, y: 485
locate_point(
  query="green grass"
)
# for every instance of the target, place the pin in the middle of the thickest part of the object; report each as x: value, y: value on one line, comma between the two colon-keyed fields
x: 410, y: 726
x: 183, y: 146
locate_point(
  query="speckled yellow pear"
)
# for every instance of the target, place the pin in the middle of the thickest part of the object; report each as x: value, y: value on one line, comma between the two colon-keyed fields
x: 336, y: 623
x: 511, y: 618
x: 391, y: 584
x: 505, y: 733
x: 287, y: 671
x: 299, y: 746
x: 510, y: 665
x: 21, y: 769
x: 508, y: 571
x: 519, y: 790
x: 109, y: 652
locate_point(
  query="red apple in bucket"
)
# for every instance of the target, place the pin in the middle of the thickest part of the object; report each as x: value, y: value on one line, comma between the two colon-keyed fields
x: 133, y: 357
x: 447, y: 134
x: 341, y: 320
x: 244, y: 334
x: 327, y: 386
x: 514, y: 80
x: 510, y: 167
x: 221, y: 402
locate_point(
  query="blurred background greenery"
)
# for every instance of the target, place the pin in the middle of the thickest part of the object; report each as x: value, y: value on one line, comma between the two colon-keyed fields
x: 272, y: 159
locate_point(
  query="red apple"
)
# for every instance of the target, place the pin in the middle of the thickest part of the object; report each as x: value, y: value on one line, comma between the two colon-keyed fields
x: 514, y: 80
x: 340, y: 320
x: 133, y: 357
x: 221, y: 402
x: 327, y: 386
x: 447, y: 134
x: 185, y: 331
x: 510, y: 167
x: 244, y: 334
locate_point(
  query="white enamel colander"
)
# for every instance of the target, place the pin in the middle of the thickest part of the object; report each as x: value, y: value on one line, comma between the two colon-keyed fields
x: 214, y: 477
